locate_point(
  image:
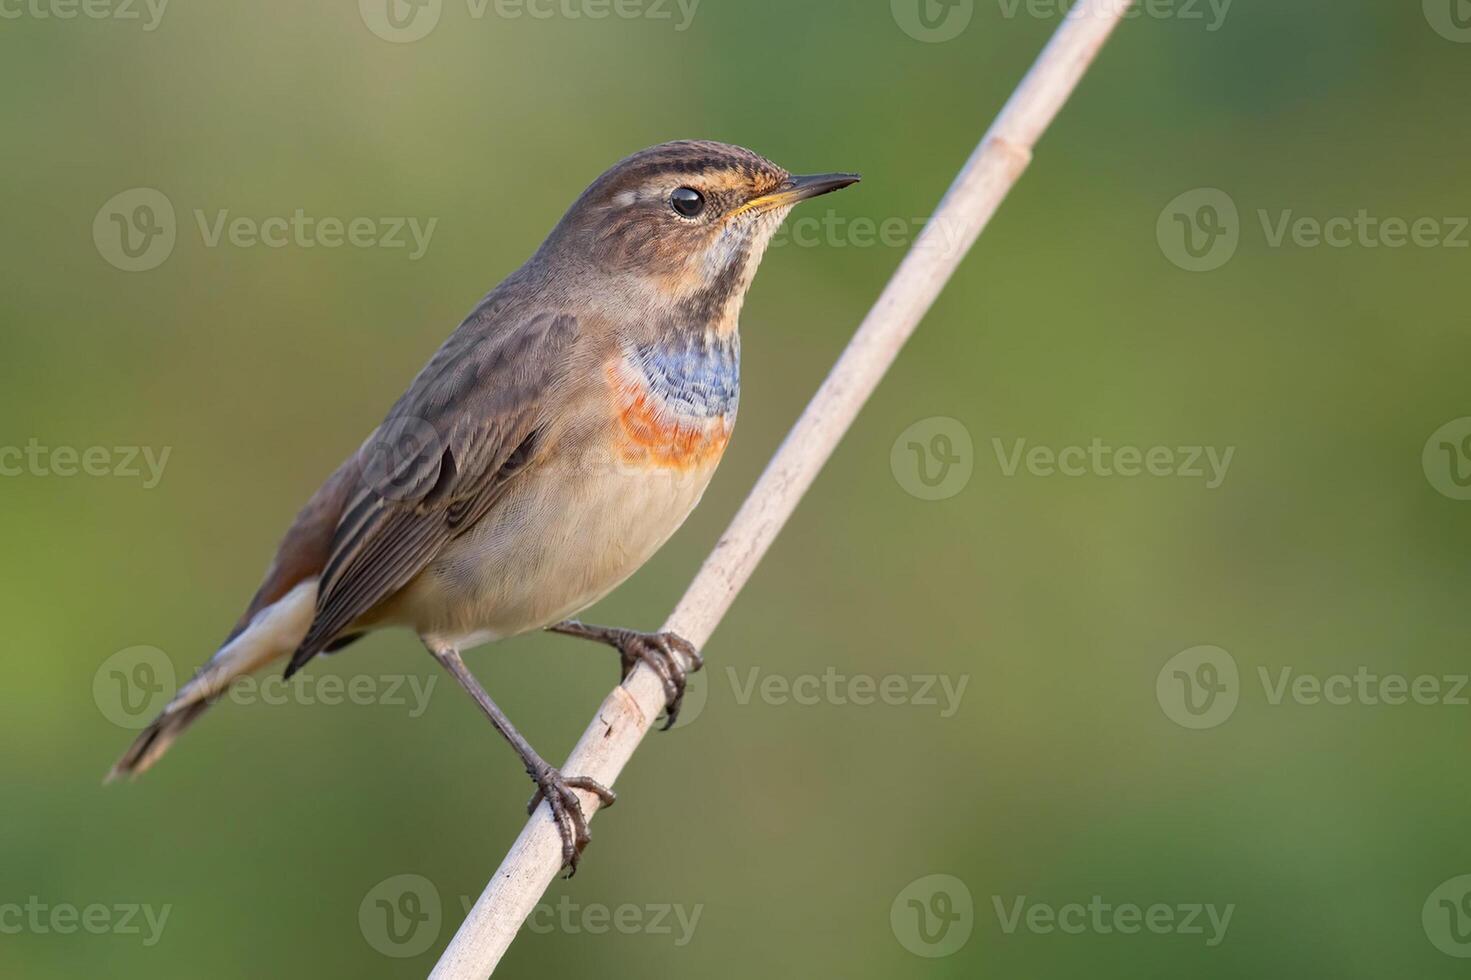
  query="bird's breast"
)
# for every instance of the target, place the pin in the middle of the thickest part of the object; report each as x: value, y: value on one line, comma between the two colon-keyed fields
x: 574, y: 526
x: 675, y: 401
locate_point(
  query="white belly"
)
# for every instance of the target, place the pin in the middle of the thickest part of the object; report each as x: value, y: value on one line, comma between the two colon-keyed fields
x: 553, y: 547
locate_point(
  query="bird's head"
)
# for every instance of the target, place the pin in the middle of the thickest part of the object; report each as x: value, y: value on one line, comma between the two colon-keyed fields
x: 686, y: 221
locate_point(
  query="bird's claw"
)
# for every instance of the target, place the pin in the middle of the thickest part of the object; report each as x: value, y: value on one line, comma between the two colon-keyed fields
x: 566, y: 808
x: 662, y: 652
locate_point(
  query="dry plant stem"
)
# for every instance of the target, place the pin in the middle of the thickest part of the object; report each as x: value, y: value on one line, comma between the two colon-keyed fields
x: 632, y: 709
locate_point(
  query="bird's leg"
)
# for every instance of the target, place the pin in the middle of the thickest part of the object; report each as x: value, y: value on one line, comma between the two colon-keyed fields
x: 661, y: 651
x: 551, y: 785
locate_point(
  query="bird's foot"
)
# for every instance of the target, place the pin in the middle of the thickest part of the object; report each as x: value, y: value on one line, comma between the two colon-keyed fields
x: 557, y: 790
x: 667, y: 654
x: 661, y: 651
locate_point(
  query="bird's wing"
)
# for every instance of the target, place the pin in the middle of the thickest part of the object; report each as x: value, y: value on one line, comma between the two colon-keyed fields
x: 473, y: 419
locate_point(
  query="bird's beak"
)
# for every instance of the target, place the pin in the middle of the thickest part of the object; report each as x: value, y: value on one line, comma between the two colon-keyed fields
x: 795, y: 189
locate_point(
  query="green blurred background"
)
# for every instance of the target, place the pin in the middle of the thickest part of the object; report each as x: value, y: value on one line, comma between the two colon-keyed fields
x: 792, y: 830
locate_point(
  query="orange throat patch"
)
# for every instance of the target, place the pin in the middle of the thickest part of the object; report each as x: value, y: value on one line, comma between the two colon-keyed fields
x: 660, y: 428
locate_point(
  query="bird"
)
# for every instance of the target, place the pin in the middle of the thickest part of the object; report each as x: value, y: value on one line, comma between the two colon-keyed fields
x: 555, y: 441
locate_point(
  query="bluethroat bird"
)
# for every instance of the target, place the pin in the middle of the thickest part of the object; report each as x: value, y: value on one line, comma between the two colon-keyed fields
x: 559, y: 437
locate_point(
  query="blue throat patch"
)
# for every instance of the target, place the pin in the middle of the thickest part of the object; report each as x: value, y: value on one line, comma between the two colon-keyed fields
x: 694, y: 378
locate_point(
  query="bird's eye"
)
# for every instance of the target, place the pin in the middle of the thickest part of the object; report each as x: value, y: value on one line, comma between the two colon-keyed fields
x: 687, y: 201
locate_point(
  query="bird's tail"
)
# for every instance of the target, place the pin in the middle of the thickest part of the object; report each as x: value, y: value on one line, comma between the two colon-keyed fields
x: 273, y: 633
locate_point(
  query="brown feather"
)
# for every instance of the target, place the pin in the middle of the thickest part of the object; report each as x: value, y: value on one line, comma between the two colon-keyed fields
x: 479, y: 403
x: 304, y: 549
